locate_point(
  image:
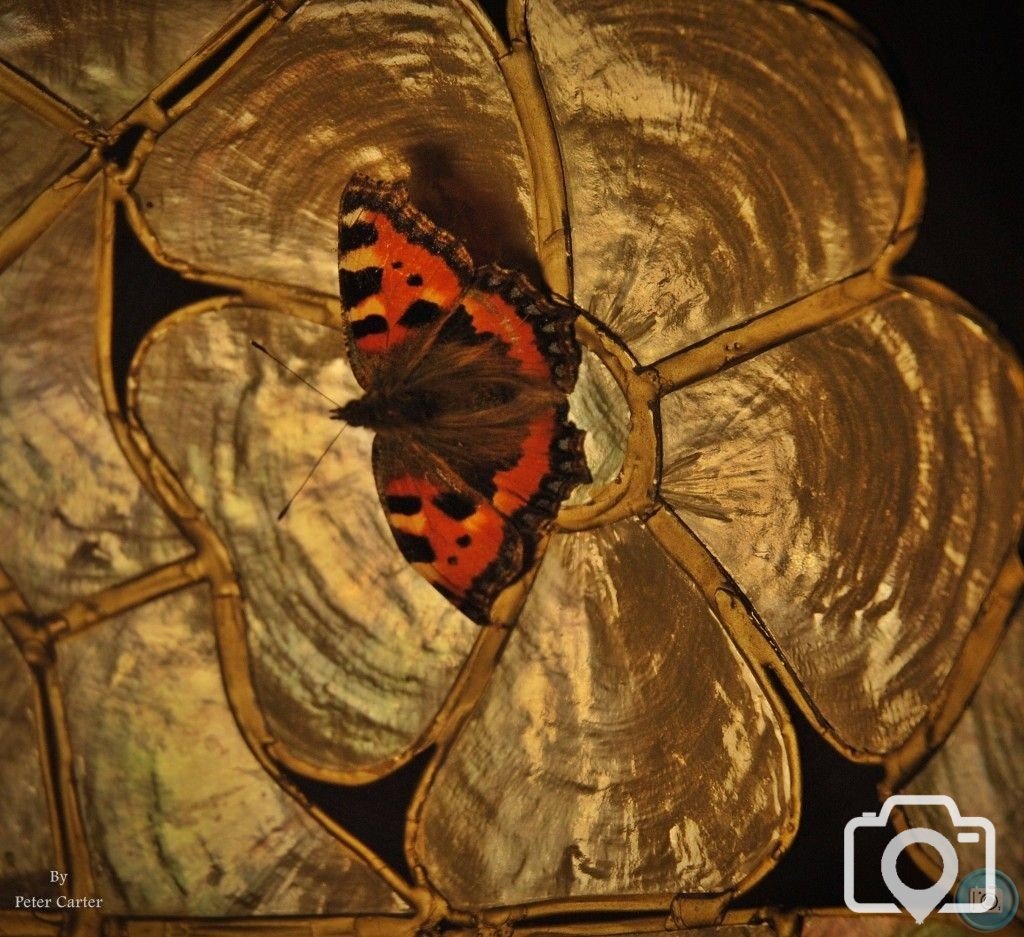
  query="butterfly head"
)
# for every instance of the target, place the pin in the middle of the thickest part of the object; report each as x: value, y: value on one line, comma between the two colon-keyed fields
x: 368, y: 411
x: 382, y: 411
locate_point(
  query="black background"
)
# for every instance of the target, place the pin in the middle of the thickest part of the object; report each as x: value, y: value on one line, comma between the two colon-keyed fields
x: 959, y: 67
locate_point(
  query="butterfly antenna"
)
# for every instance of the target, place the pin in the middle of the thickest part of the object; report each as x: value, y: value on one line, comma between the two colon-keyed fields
x: 305, y: 481
x: 273, y: 357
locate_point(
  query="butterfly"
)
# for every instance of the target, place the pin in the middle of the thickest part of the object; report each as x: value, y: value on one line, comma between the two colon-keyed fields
x: 465, y: 373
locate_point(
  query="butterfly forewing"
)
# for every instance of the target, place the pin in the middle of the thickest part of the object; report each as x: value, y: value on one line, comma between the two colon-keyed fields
x: 537, y: 331
x: 400, y: 276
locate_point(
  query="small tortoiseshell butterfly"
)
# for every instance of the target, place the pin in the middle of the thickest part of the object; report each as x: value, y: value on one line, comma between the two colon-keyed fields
x: 465, y: 373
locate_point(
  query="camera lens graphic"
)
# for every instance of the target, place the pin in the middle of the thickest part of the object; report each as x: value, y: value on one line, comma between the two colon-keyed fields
x: 920, y: 902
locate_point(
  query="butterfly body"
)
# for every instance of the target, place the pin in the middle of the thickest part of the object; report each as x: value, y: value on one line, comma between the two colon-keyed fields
x: 396, y: 411
x: 465, y: 373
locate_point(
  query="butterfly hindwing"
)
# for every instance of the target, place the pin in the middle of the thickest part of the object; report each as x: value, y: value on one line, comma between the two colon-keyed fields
x: 450, y: 534
x: 548, y: 465
x: 400, y: 276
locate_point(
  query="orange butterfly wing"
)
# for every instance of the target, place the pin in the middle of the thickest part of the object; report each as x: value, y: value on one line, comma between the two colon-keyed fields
x: 400, y: 276
x: 535, y: 335
x: 471, y: 490
x: 450, y: 534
